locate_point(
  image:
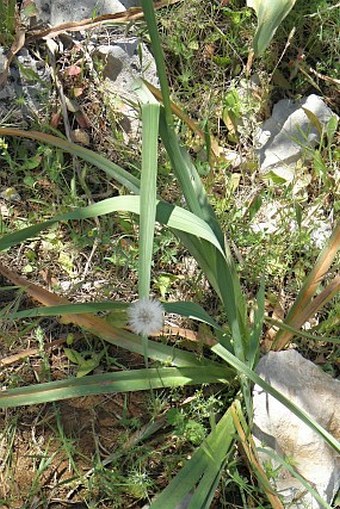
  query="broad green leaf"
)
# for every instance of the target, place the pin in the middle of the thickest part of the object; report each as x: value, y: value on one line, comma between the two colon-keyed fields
x: 148, y: 198
x: 331, y: 129
x: 88, y: 365
x: 203, y: 468
x: 270, y: 13
x: 73, y: 356
x: 314, y: 120
x: 148, y: 192
x: 85, y: 365
x: 123, y: 381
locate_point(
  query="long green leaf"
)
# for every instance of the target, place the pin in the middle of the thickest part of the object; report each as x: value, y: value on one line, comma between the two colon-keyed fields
x: 270, y: 13
x: 206, y: 462
x: 64, y: 309
x: 191, y: 310
x: 188, y: 309
x: 254, y: 377
x: 125, y: 381
x: 220, y: 270
x: 189, y: 179
x: 122, y: 338
x: 206, y: 489
x: 150, y: 18
x: 170, y: 215
x: 302, y: 334
x: 148, y: 193
x: 112, y: 170
x: 222, y: 278
x: 186, y: 173
x: 254, y: 341
x: 148, y: 199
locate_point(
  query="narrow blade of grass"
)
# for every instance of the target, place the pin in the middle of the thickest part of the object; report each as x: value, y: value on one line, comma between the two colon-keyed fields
x: 191, y: 310
x: 101, y: 328
x: 249, y: 449
x: 309, y: 288
x: 150, y: 18
x: 64, y: 309
x: 189, y: 179
x: 111, y: 169
x: 255, y: 335
x: 215, y: 150
x: 125, y: 381
x: 206, y: 461
x: 302, y: 334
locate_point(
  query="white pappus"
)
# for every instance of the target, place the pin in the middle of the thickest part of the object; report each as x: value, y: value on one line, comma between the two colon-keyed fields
x: 146, y: 316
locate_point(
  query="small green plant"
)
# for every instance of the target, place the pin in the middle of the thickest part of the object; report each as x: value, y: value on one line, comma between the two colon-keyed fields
x: 185, y: 428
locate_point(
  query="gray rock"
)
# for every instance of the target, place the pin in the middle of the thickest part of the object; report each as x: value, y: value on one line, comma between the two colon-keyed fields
x: 25, y: 94
x: 62, y: 11
x: 319, y: 395
x: 130, y: 3
x: 31, y: 80
x: 3, y: 60
x: 125, y: 62
x: 288, y: 135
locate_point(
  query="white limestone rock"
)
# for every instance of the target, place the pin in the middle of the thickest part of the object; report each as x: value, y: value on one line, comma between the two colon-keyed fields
x: 63, y: 11
x: 277, y: 428
x: 125, y: 62
x: 288, y: 135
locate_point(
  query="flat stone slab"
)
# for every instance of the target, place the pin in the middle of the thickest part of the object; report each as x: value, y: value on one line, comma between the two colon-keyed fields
x: 278, y: 429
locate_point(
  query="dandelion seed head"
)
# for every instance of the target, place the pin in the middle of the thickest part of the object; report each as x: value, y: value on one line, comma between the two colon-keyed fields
x: 146, y: 316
